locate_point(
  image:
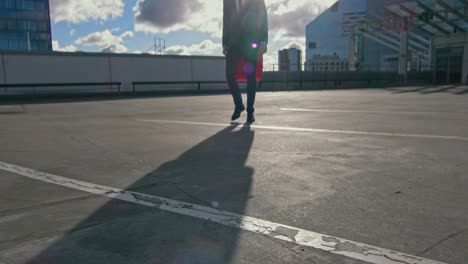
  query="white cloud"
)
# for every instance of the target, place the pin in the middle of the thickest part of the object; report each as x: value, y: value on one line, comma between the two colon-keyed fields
x: 77, y: 11
x: 287, y: 21
x: 287, y: 18
x: 206, y: 47
x: 106, y: 40
x: 270, y: 62
x: 162, y: 16
x: 295, y: 44
x: 56, y: 47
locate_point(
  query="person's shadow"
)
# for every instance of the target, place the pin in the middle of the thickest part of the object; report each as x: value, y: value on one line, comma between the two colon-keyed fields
x: 212, y: 173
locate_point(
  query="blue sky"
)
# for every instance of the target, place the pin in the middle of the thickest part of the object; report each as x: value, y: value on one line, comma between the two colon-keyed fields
x: 190, y: 27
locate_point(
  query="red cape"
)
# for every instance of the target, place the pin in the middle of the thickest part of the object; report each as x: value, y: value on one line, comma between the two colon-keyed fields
x: 241, y: 69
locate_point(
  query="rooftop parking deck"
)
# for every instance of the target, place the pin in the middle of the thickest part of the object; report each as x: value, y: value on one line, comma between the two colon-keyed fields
x: 345, y: 176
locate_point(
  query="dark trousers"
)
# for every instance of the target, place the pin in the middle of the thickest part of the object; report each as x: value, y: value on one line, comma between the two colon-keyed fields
x: 232, y: 62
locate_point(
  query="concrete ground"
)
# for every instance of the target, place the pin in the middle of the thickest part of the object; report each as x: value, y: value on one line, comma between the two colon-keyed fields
x: 387, y: 168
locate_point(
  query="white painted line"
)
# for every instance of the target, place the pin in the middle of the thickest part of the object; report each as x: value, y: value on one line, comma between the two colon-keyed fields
x: 333, y: 245
x: 367, y: 112
x: 312, y: 130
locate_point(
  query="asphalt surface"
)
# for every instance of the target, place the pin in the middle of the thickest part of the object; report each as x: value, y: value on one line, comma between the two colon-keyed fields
x: 386, y: 168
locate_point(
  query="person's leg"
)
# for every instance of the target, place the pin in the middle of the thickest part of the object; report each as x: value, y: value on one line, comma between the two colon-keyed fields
x: 232, y: 62
x: 251, y: 87
x: 251, y: 84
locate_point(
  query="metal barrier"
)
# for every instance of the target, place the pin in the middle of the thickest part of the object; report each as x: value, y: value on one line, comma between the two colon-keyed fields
x: 338, y: 78
x: 199, y: 83
x: 35, y: 85
x: 342, y: 66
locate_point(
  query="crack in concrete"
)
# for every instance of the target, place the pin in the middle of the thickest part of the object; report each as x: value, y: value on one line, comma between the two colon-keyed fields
x: 451, y: 236
x: 45, y: 205
x: 392, y: 259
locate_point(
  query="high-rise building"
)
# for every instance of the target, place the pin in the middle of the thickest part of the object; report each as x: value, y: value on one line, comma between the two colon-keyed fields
x: 25, y: 25
x: 326, y: 35
x: 290, y: 59
x: 393, y: 35
x: 432, y: 33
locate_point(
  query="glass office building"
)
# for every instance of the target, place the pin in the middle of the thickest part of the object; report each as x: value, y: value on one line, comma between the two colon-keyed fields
x: 25, y: 25
x: 325, y: 35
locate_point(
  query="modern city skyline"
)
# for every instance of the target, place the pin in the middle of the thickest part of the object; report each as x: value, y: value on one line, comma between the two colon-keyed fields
x: 130, y: 26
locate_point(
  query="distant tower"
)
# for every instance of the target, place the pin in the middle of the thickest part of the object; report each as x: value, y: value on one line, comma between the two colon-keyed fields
x: 25, y: 25
x: 290, y: 59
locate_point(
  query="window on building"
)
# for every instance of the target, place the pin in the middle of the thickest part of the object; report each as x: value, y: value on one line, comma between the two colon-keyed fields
x: 3, y: 44
x: 30, y: 4
x: 12, y: 25
x: 44, y: 36
x: 42, y: 27
x: 35, y: 45
x: 40, y: 5
x: 23, y: 44
x: 22, y: 25
x: 35, y: 35
x: 32, y: 26
x: 20, y: 4
x: 43, y: 45
x: 10, y: 4
x: 13, y: 44
x: 3, y: 24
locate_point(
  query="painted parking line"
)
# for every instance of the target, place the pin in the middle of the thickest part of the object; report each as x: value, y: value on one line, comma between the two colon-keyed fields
x: 311, y: 130
x: 367, y: 112
x: 333, y: 245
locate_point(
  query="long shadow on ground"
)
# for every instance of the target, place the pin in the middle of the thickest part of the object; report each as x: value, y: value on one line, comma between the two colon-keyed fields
x: 119, y: 232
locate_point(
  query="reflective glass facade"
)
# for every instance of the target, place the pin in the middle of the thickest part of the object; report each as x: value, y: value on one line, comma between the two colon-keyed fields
x: 20, y: 18
x: 325, y: 35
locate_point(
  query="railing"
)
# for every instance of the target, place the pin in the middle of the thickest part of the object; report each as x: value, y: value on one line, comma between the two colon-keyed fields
x: 285, y: 80
x: 339, y: 67
x: 78, y: 84
x: 314, y: 80
x: 300, y: 79
x: 198, y: 83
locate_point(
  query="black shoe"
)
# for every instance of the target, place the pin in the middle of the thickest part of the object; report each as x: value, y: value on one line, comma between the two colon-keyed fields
x: 250, y: 118
x: 237, y: 112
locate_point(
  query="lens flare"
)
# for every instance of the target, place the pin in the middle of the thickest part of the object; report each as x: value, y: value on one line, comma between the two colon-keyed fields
x: 248, y: 69
x: 255, y: 44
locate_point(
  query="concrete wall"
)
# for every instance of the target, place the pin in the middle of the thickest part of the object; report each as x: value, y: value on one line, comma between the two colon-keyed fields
x: 57, y: 67
x: 208, y: 69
